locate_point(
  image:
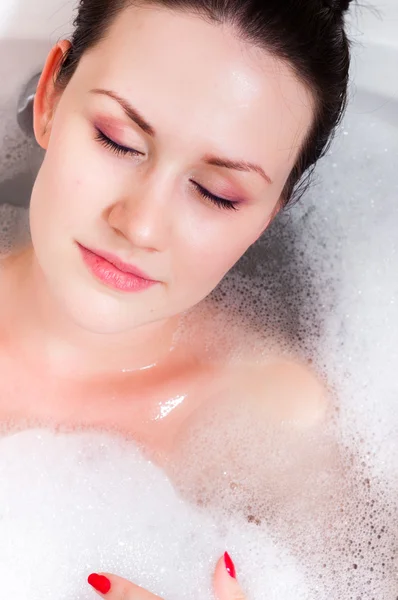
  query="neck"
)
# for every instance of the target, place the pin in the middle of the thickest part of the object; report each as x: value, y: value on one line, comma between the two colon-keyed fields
x: 44, y: 330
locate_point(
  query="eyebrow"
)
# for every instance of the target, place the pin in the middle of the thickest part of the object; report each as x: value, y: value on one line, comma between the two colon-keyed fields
x: 210, y: 159
x: 130, y: 111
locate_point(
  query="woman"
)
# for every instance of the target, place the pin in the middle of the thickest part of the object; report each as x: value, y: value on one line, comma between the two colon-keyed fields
x: 174, y: 132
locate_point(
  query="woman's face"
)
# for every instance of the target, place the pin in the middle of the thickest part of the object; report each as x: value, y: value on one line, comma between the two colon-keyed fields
x: 197, y: 113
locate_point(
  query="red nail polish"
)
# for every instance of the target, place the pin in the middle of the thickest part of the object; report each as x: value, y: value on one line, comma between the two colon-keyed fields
x: 229, y: 565
x: 99, y: 583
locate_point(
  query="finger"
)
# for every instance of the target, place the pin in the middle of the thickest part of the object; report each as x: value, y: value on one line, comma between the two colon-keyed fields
x: 226, y: 585
x: 113, y: 587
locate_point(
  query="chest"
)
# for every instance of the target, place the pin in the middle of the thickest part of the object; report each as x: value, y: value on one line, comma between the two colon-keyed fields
x: 150, y: 409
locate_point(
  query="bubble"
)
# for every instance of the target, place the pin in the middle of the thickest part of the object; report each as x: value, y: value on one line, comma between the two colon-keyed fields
x: 14, y: 228
x: 75, y: 504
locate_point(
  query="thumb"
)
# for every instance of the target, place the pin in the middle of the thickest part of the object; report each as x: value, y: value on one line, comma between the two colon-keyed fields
x: 112, y: 587
x: 226, y: 585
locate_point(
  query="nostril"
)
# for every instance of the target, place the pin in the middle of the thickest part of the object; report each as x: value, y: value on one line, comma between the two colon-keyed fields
x: 25, y: 106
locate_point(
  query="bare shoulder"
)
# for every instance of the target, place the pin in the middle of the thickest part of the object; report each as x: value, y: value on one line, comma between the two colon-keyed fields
x: 281, y: 390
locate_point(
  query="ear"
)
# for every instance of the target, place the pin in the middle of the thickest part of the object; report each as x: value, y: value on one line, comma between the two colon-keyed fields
x: 47, y: 96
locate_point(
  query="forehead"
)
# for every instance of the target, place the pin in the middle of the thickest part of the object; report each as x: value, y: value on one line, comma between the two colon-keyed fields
x: 198, y: 81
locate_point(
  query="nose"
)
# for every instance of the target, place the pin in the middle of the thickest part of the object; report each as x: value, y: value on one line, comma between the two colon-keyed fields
x: 143, y: 218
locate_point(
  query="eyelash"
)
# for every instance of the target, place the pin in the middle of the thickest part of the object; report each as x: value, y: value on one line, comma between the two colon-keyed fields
x: 220, y: 202
x: 124, y: 151
x: 111, y: 145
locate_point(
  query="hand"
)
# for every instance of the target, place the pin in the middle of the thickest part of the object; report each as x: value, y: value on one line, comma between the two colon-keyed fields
x: 112, y: 587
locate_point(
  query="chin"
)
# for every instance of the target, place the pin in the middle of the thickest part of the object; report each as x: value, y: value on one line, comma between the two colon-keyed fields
x: 90, y: 306
x: 101, y: 313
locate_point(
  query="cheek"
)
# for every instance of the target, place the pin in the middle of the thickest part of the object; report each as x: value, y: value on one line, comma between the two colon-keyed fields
x: 211, y: 250
x: 68, y: 188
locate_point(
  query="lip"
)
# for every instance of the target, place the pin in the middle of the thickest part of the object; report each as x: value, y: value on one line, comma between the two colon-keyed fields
x: 114, y: 272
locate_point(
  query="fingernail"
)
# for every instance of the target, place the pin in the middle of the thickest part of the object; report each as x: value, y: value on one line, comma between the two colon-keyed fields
x: 100, y: 583
x: 229, y: 565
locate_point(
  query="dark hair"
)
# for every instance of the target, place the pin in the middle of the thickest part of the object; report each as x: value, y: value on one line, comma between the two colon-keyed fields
x: 308, y: 34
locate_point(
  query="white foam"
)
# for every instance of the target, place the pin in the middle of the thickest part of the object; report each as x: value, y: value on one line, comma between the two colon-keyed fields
x: 14, y: 228
x: 74, y: 504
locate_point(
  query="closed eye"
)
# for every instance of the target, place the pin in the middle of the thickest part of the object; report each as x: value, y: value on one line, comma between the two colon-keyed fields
x: 120, y: 150
x: 116, y: 148
x: 217, y: 200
